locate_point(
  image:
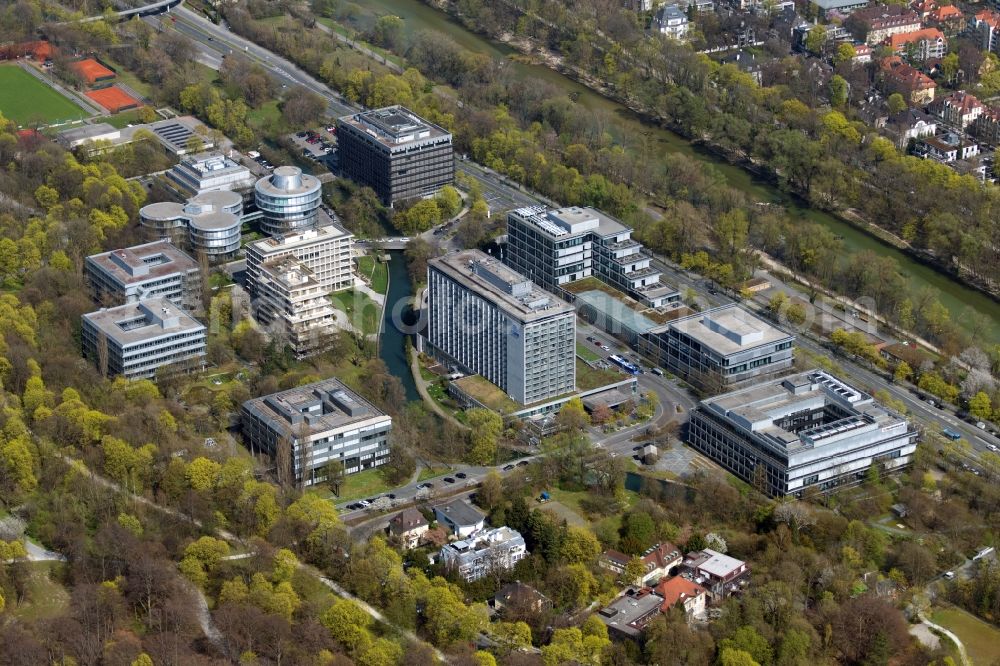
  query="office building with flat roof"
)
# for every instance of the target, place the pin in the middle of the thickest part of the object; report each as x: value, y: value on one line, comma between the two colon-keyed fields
x: 396, y: 153
x: 326, y: 251
x: 808, y: 430
x: 153, y: 270
x: 554, y: 248
x: 492, y: 321
x: 293, y: 306
x: 628, y: 615
x: 138, y: 339
x: 500, y: 548
x: 323, y: 422
x: 720, y: 348
x: 209, y: 172
x: 209, y: 223
x: 288, y: 200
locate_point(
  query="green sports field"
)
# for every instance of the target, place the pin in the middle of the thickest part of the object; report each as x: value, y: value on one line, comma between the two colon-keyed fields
x: 24, y: 99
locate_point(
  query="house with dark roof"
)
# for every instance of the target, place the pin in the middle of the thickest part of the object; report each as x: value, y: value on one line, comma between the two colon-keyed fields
x: 910, y: 124
x: 460, y: 517
x: 657, y: 562
x: 629, y: 614
x: 986, y: 128
x: 520, y: 596
x: 409, y: 526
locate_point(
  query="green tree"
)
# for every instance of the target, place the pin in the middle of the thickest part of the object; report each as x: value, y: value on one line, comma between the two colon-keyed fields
x: 449, y: 202
x: 903, y: 372
x: 733, y: 657
x: 579, y: 546
x: 347, y: 623
x: 838, y: 90
x: 637, y: 533
x: 816, y: 39
x: 845, y: 53
x: 202, y: 474
x: 897, y: 103
x: 980, y: 406
x: 486, y: 427
x: 748, y: 640
x: 572, y: 416
x: 510, y: 636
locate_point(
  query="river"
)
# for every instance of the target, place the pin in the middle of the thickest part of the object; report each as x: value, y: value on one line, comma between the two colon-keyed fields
x: 392, y: 343
x: 958, y: 298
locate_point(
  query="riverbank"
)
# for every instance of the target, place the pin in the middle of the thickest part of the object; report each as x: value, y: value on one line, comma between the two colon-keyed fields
x: 540, y: 55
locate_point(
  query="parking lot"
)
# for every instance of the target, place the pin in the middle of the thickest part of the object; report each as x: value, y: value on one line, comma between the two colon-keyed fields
x: 318, y: 145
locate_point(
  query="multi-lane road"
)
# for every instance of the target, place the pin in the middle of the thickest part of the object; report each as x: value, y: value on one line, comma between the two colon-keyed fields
x: 215, y: 42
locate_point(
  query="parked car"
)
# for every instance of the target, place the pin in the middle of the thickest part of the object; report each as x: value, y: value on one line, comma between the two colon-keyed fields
x: 449, y: 479
x: 364, y: 504
x: 657, y: 371
x: 507, y: 468
x: 461, y: 475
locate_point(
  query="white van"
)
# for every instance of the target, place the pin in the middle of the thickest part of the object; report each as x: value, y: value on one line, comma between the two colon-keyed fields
x: 657, y: 371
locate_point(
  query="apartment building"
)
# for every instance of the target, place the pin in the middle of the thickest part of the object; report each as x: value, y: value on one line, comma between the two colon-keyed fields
x: 396, y: 153
x: 875, y: 24
x: 986, y: 26
x: 720, y: 575
x: 808, y: 430
x: 325, y: 251
x: 293, y: 306
x: 723, y: 347
x: 138, y: 340
x: 152, y: 270
x: 959, y: 109
x: 554, y: 248
x: 987, y: 127
x: 916, y: 87
x: 496, y: 549
x: 919, y: 45
x: 492, y: 321
x: 320, y: 423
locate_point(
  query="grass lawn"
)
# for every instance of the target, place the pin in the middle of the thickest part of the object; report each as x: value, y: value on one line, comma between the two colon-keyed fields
x: 981, y: 639
x: 45, y: 598
x: 265, y: 114
x: 589, y: 378
x: 131, y: 80
x: 24, y: 99
x: 341, y: 30
x: 586, y: 354
x: 571, y: 499
x: 361, y: 310
x: 376, y: 272
x: 361, y: 485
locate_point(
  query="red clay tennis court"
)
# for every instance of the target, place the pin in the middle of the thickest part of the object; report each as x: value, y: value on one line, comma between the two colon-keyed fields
x: 92, y: 71
x: 114, y: 99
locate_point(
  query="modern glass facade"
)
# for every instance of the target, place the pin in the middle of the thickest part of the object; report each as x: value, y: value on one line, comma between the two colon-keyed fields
x: 289, y: 201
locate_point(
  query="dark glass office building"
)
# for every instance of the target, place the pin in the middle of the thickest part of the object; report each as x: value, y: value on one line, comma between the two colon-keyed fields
x: 396, y: 153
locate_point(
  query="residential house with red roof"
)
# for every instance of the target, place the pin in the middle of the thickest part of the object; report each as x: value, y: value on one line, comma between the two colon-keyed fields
x: 986, y: 128
x: 919, y: 45
x: 948, y: 19
x: 657, y: 562
x: 986, y: 24
x: 875, y: 24
x: 916, y: 87
x: 959, y: 109
x: 679, y: 590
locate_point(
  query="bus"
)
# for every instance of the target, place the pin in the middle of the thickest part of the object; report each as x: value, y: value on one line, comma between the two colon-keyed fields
x: 627, y: 366
x: 951, y: 434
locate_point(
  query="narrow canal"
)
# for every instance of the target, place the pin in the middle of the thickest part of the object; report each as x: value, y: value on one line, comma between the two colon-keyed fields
x: 392, y: 344
x: 959, y: 300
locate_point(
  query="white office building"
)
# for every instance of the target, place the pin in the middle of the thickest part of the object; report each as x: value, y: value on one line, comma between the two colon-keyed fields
x: 808, y: 430
x: 210, y: 172
x: 209, y: 223
x: 325, y: 251
x: 491, y: 321
x: 137, y: 339
x: 321, y: 423
x: 497, y: 549
x: 554, y: 248
x: 153, y: 270
x: 293, y: 306
x: 720, y: 348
